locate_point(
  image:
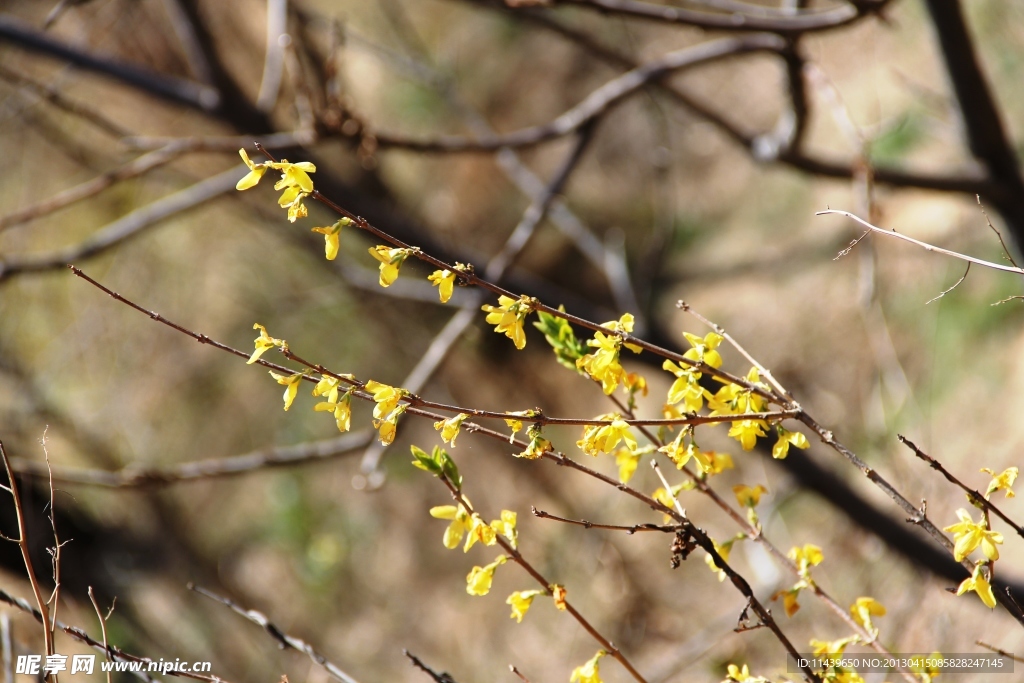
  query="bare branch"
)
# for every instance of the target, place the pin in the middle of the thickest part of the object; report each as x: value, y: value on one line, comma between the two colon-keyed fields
x: 283, y: 639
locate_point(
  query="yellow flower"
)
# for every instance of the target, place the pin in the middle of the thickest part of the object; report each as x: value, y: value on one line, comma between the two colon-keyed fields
x: 719, y: 461
x: 805, y: 558
x: 291, y: 386
x: 703, y: 350
x: 747, y: 496
x: 686, y: 388
x: 863, y: 610
x: 732, y: 399
x: 969, y: 536
x: 980, y: 585
x: 1002, y: 481
x: 738, y: 675
x: 538, y: 444
x: 478, y: 531
x: 627, y: 461
x: 450, y: 428
x: 723, y: 551
x: 342, y: 408
x: 294, y: 175
x: 789, y: 598
x: 506, y: 526
x: 521, y: 601
x: 680, y: 454
x: 457, y: 529
x: 558, y: 595
x: 603, y: 438
x: 387, y: 410
x: 256, y: 172
x: 747, y: 431
x: 444, y: 280
x: 588, y: 672
x: 390, y: 261
x: 331, y: 234
x: 833, y: 647
x: 478, y: 582
x: 291, y: 199
x: 264, y: 343
x: 508, y: 317
x: 515, y: 424
x: 786, y: 439
x: 633, y: 383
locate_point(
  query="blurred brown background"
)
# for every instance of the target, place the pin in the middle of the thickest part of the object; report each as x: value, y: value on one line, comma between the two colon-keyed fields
x: 349, y: 560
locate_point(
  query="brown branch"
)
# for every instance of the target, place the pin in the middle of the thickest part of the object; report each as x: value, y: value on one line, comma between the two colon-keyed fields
x: 973, y: 495
x: 284, y: 640
x: 665, y: 528
x: 1004, y: 653
x: 26, y: 555
x: 442, y: 677
x: 153, y: 477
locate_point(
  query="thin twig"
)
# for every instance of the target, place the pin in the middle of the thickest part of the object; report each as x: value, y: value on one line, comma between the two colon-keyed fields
x: 103, y: 624
x: 666, y: 528
x: 283, y: 639
x: 442, y: 677
x: 973, y: 495
x: 924, y: 245
x: 999, y: 651
x: 955, y: 285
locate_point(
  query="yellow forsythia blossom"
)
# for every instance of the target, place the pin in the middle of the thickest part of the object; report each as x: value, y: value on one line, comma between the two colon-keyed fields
x: 291, y: 386
x: 747, y: 496
x: 506, y: 526
x: 341, y: 407
x: 450, y: 428
x: 719, y: 462
x: 703, y: 350
x: 558, y: 595
x: 520, y: 602
x: 865, y: 608
x: 627, y: 459
x: 588, y: 672
x: 980, y: 585
x: 603, y: 438
x: 538, y: 444
x: 387, y: 410
x: 747, y: 431
x: 508, y: 317
x: 603, y: 365
x: 478, y: 581
x: 969, y: 536
x: 686, y: 388
x: 680, y: 452
x: 723, y: 551
x: 331, y: 233
x: 806, y: 557
x: 264, y: 343
x: 390, y: 261
x: 1002, y: 481
x: 444, y: 280
x: 256, y: 171
x: 833, y: 647
x: 786, y: 439
x: 732, y: 399
x: 738, y: 675
x: 478, y: 531
x: 460, y: 523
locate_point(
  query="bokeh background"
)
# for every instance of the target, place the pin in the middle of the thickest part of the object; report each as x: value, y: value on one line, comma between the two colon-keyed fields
x: 345, y: 556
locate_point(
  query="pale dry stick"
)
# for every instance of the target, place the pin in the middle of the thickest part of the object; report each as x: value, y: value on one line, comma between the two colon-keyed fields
x: 53, y: 96
x: 152, y: 477
x: 999, y: 235
x: 765, y: 372
x: 947, y: 291
x: 26, y: 556
x: 803, y: 22
x: 923, y: 245
x: 1000, y: 651
x: 115, y: 653
x: 518, y: 674
x: 273, y: 61
x: 596, y: 104
x: 547, y: 586
x: 103, y: 624
x: 495, y: 269
x: 973, y: 495
x: 55, y: 551
x: 283, y: 640
x: 7, y: 644
x: 125, y: 227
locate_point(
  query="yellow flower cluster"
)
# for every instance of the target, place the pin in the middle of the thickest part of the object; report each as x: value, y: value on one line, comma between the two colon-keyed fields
x: 450, y: 428
x: 387, y: 410
x: 295, y: 182
x: 508, y: 317
x: 603, y: 438
x: 474, y: 527
x: 603, y: 364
